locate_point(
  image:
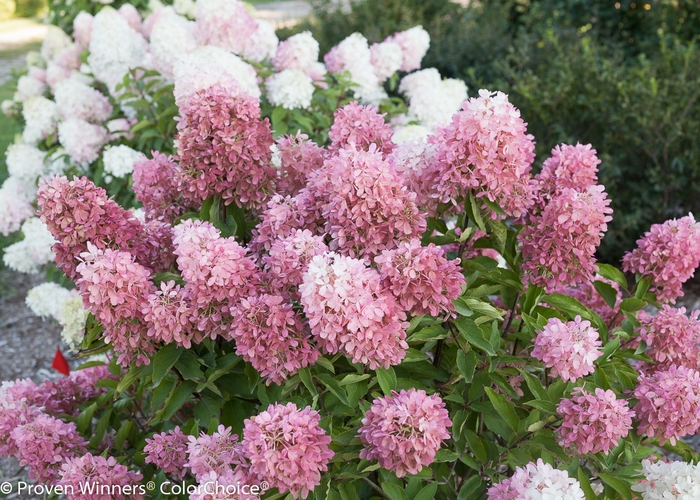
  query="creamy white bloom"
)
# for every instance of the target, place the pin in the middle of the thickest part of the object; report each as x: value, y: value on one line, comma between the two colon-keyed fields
x: 45, y: 300
x: 432, y: 100
x: 55, y: 74
x: 290, y: 88
x: 54, y: 42
x: 16, y: 198
x: 411, y: 132
x: 72, y: 316
x: 25, y: 162
x: 82, y: 29
x: 185, y: 8
x: 34, y: 58
x: 208, y: 66
x: 28, y: 86
x: 262, y: 44
x: 352, y: 55
x: 83, y: 140
x: 171, y: 38
x: 672, y: 480
x: 386, y: 59
x: 40, y: 117
x: 29, y: 254
x: 115, y: 48
x: 119, y: 160
x: 299, y: 51
x: 75, y: 99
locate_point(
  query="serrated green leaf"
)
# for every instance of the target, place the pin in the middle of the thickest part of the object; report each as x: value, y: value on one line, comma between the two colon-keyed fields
x: 474, y: 335
x: 612, y: 273
x: 466, y: 362
x: 333, y: 386
x: 177, y: 398
x: 427, y: 492
x: 606, y: 291
x: 393, y: 491
x: 504, y: 408
x: 164, y: 360
x: 632, y: 304
x: 542, y: 405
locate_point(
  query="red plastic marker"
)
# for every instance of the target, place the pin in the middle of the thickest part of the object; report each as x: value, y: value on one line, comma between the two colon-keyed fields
x: 60, y: 364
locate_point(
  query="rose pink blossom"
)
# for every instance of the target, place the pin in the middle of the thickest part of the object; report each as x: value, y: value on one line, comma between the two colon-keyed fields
x: 569, y: 349
x: 231, y: 485
x: 66, y: 394
x: 299, y: 157
x: 76, y: 212
x: 537, y: 481
x: 672, y: 338
x: 365, y: 204
x: 593, y: 422
x: 356, y: 127
x: 421, y: 278
x: 18, y: 401
x: 109, y: 478
x: 669, y: 403
x: 156, y: 187
x: 414, y: 44
x: 559, y: 244
x: 224, y: 148
x: 485, y: 150
x: 215, y: 453
x: 668, y: 254
x: 404, y: 431
x: 168, y: 451
x: 169, y: 315
x: 350, y: 312
x: 299, y: 51
x: 224, y: 23
x: 43, y: 445
x: 415, y: 160
x: 271, y: 336
x: 287, y: 447
x: 115, y: 289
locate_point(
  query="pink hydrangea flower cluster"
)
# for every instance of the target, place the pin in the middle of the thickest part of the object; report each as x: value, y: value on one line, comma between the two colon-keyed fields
x: 559, y: 244
x: 669, y: 403
x: 486, y: 150
x: 288, y: 448
x: 569, y: 349
x: 356, y: 127
x: 155, y: 186
x: 169, y: 315
x: 218, y: 272
x: 537, y: 480
x: 587, y: 295
x: 224, y: 148
x: 349, y: 311
x: 672, y: 338
x: 66, y: 394
x: 574, y: 167
x: 213, y: 453
x: 422, y: 280
x: 77, y: 212
x: 18, y: 401
x: 283, y: 216
x: 168, y: 451
x: 298, y: 157
x: 271, y: 336
x: 668, y: 254
x: 414, y: 43
x: 593, y: 422
x: 404, y: 431
x: 364, y: 203
x: 229, y: 485
x: 114, y: 288
x: 109, y: 478
x: 288, y: 259
x: 44, y: 443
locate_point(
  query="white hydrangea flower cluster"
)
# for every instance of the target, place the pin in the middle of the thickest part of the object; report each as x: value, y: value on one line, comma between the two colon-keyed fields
x: 75, y: 99
x: 29, y: 254
x: 82, y: 140
x: 16, y: 206
x: 40, y: 117
x: 432, y: 100
x: 208, y: 66
x: 55, y: 41
x: 172, y: 36
x: 119, y: 160
x: 72, y: 316
x: 187, y: 8
x: 290, y: 88
x: 538, y: 481
x: 29, y: 86
x: 115, y: 48
x: 25, y: 162
x: 45, y: 300
x: 667, y: 480
x: 386, y: 58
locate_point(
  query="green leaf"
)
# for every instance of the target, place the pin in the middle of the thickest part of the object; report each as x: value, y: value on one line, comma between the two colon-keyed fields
x: 466, y: 362
x: 608, y: 293
x: 499, y: 234
x: 333, y: 386
x: 164, y: 360
x: 131, y: 376
x: 122, y: 433
x: 545, y: 406
x: 393, y: 491
x: 307, y: 380
x: 353, y: 378
x: 474, y: 335
x: 386, y: 379
x: 610, y: 349
x: 189, y: 367
x: 472, y: 209
x: 632, y: 304
x: 612, y: 273
x: 642, y: 288
x: 535, y: 385
x: 432, y: 332
x: 177, y: 398
x: 461, y: 307
x: 445, y: 455
x: 619, y: 486
x: 586, y: 485
x: 504, y: 408
x: 475, y: 445
x: 85, y: 417
x: 472, y: 489
x: 427, y: 492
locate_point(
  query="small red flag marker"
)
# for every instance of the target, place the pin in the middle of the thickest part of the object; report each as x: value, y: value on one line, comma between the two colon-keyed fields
x: 60, y: 364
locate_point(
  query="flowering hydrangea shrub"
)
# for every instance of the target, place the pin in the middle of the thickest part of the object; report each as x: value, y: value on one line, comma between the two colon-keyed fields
x: 325, y: 291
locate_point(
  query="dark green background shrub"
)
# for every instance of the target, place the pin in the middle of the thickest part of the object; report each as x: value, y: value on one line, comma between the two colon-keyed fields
x: 616, y: 74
